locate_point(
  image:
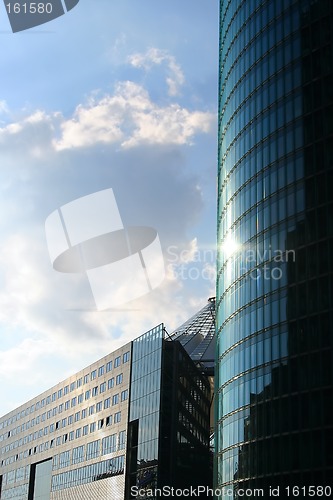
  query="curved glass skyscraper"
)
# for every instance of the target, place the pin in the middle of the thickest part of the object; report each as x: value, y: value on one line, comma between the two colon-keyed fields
x: 275, y: 240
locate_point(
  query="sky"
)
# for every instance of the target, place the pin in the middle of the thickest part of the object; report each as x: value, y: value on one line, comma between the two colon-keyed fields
x: 113, y: 94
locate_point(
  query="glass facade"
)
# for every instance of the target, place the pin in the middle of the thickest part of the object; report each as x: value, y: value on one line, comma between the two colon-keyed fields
x: 168, y: 430
x: 274, y: 282
x: 144, y: 411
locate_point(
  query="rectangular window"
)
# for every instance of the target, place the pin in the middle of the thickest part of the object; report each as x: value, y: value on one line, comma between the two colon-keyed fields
x: 124, y: 395
x: 54, y: 396
x: 109, y: 444
x: 59, y: 393
x: 64, y: 422
x: 108, y: 366
x: 100, y: 423
x: 102, y: 387
x: 95, y: 391
x: 107, y: 403
x: 67, y: 405
x: 78, y: 455
x: 84, y: 413
x: 86, y: 379
x: 80, y: 398
x: 93, y: 449
x: 79, y: 382
x: 117, y: 417
x: 99, y: 406
x: 115, y: 399
x: 91, y: 409
x: 64, y: 459
x: 93, y: 375
x: 108, y: 421
x: 93, y: 427
x: 119, y: 379
x: 61, y: 407
x: 117, y: 362
x: 126, y: 357
x: 71, y: 436
x: 55, y: 462
x: 72, y: 386
x: 110, y: 383
x: 66, y: 390
x: 77, y: 416
x: 101, y: 370
x: 78, y: 433
x: 70, y: 419
x: 87, y: 395
x: 73, y: 402
x: 84, y: 430
x: 121, y: 440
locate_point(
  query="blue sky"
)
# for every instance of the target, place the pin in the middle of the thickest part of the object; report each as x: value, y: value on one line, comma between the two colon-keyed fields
x: 112, y: 94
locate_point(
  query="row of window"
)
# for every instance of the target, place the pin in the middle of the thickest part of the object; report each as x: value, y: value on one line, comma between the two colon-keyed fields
x: 239, y: 27
x: 16, y: 475
x: 93, y: 472
x: 17, y: 492
x: 87, y: 474
x: 240, y: 228
x: 257, y: 178
x: 243, y: 390
x: 285, y: 170
x: 71, y: 404
x: 60, y: 424
x: 67, y: 389
x: 93, y: 449
x: 254, y: 352
x: 60, y: 440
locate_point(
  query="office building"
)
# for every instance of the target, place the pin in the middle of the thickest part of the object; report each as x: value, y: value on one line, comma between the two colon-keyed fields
x: 139, y: 417
x: 274, y: 280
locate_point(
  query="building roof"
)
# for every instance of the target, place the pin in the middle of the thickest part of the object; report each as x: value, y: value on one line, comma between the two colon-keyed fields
x: 197, y: 336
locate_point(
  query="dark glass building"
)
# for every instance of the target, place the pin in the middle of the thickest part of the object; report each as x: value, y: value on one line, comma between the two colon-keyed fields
x: 275, y: 246
x: 169, y: 416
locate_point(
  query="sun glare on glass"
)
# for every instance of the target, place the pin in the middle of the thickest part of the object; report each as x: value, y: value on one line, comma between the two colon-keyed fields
x: 229, y: 246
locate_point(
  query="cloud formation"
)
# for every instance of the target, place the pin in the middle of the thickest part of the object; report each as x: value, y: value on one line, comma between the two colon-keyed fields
x: 130, y: 118
x: 175, y: 79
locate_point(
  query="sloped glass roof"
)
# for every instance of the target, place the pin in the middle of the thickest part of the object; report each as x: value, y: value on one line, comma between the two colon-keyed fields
x: 197, y: 335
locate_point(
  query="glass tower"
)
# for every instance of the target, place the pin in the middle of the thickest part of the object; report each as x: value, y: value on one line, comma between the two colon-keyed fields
x: 275, y: 240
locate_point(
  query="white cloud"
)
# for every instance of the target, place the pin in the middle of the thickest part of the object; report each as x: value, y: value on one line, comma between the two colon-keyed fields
x: 131, y: 118
x: 154, y: 56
